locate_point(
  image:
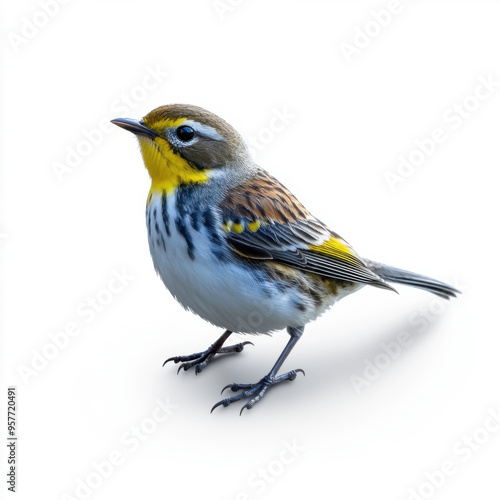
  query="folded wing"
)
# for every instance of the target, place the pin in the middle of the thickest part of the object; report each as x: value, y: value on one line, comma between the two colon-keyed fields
x: 264, y: 221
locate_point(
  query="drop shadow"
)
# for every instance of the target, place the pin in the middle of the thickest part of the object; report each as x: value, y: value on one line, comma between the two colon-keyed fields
x: 331, y: 370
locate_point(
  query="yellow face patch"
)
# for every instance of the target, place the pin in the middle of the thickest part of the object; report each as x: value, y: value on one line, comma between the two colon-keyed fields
x: 167, y: 169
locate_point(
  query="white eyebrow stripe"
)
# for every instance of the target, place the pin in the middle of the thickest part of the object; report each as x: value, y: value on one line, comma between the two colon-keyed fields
x: 204, y: 130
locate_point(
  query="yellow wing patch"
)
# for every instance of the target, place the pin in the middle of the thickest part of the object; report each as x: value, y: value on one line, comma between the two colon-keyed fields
x: 254, y: 226
x: 337, y: 249
x: 239, y: 227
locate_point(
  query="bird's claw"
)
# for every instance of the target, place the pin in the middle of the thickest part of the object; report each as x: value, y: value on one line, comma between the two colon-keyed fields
x: 201, y: 359
x: 254, y: 391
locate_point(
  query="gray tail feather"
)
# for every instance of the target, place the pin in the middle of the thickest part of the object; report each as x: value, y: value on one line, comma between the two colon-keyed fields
x: 395, y: 275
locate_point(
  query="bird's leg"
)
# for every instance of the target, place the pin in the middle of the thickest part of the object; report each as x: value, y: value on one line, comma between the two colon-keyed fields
x: 201, y: 359
x: 256, y: 391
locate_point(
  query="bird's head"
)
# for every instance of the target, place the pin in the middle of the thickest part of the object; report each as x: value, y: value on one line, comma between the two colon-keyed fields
x: 184, y: 144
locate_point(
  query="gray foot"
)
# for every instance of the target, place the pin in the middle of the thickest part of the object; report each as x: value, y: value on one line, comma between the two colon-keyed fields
x: 254, y: 391
x: 201, y: 359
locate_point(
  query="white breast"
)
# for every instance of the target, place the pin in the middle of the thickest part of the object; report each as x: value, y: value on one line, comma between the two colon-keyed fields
x: 213, y: 283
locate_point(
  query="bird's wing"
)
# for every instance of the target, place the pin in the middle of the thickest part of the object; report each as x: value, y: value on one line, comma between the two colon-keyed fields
x: 265, y: 221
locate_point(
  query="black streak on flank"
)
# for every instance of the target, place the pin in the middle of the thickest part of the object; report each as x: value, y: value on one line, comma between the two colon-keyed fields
x: 209, y: 223
x: 164, y: 212
x: 157, y: 228
x: 195, y: 219
x: 149, y: 223
x: 301, y: 307
x: 183, y: 197
x: 181, y: 227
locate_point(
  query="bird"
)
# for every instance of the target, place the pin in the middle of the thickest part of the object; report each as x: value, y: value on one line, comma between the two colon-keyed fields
x: 233, y: 245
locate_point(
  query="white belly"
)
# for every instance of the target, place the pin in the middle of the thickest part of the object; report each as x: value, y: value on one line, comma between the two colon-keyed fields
x: 227, y: 294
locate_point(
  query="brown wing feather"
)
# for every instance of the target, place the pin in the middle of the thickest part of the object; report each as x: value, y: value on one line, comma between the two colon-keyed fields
x: 265, y: 197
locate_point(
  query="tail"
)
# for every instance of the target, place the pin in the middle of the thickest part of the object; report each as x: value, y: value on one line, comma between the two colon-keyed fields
x: 395, y: 275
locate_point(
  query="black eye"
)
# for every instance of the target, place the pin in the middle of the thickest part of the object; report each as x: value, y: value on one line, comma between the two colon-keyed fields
x: 185, y: 133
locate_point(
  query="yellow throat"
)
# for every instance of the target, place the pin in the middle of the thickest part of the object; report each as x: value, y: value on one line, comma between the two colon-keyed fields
x: 166, y: 168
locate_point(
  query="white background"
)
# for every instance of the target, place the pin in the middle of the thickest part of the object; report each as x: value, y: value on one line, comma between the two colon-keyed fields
x: 62, y: 238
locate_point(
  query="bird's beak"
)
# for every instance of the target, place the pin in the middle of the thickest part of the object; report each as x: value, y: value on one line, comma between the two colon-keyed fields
x: 135, y: 126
